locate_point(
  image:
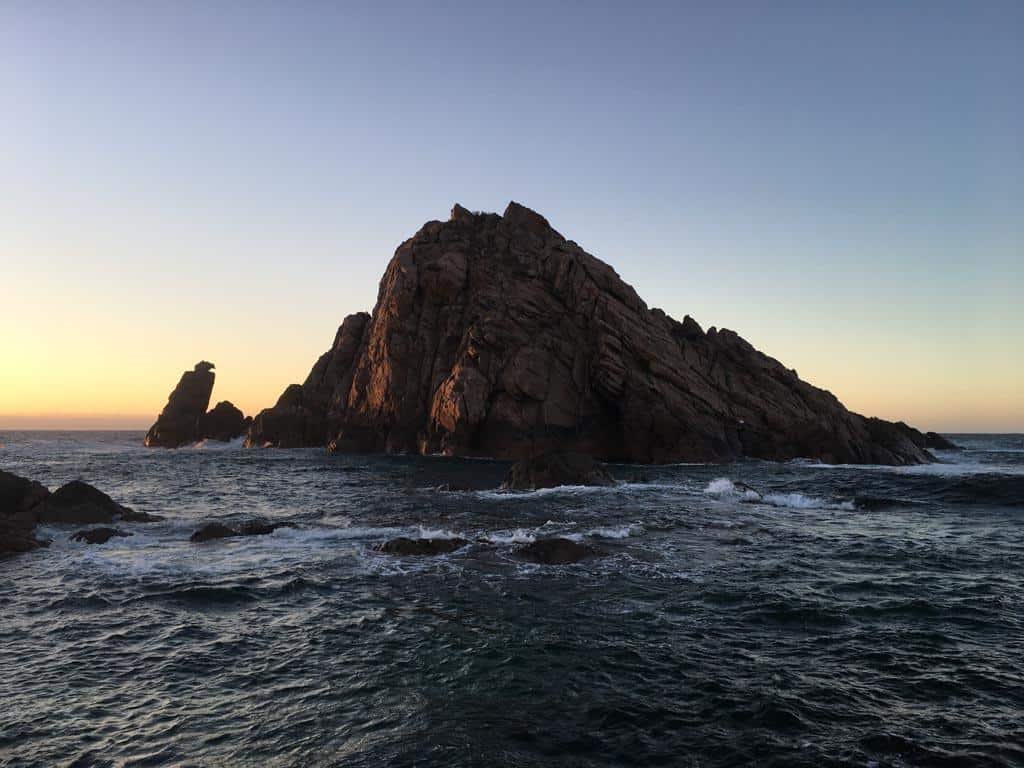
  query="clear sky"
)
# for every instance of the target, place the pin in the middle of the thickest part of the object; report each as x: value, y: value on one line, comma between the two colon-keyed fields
x: 841, y: 183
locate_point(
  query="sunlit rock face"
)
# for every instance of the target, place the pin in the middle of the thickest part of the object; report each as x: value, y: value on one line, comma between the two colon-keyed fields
x: 495, y: 336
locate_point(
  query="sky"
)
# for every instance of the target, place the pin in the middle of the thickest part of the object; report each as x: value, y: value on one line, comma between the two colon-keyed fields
x: 841, y: 183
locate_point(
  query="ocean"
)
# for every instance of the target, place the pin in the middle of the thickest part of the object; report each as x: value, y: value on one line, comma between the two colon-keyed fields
x: 743, y: 614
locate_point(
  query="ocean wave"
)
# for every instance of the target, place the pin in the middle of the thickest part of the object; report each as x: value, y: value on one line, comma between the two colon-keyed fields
x: 725, y: 488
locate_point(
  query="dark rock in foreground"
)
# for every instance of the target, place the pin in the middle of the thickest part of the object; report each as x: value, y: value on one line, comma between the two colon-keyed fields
x: 79, y: 503
x: 19, y: 499
x: 98, y: 535
x: 555, y: 551
x: 552, y: 469
x: 420, y: 547
x: 495, y: 336
x: 212, y: 531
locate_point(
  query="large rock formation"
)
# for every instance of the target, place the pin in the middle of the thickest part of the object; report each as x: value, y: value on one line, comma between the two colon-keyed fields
x: 19, y: 500
x: 185, y: 420
x: 496, y: 336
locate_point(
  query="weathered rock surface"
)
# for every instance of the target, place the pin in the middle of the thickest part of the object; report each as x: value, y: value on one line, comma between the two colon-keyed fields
x: 19, y: 500
x: 420, y: 547
x: 79, y: 503
x: 555, y: 551
x: 212, y: 531
x: 495, y: 336
x: 937, y: 442
x: 554, y: 468
x: 185, y: 420
x: 223, y: 422
x: 98, y: 535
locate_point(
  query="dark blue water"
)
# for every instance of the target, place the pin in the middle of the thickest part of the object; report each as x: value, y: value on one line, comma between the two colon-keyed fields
x: 846, y: 616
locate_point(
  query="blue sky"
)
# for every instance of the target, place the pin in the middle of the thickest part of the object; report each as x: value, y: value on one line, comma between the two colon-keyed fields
x: 841, y: 183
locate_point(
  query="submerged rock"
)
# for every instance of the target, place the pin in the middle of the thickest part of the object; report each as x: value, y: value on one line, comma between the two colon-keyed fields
x: 98, y: 535
x: 556, y: 551
x: 212, y: 531
x: 19, y: 500
x: 79, y: 503
x: 419, y: 547
x: 549, y: 470
x: 495, y: 336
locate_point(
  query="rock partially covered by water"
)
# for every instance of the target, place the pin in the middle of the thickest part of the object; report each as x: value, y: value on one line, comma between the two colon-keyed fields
x: 98, y: 535
x: 420, y: 547
x: 495, y: 336
x: 79, y: 503
x: 223, y: 422
x: 554, y: 468
x: 937, y: 442
x: 212, y: 531
x: 19, y: 500
x: 556, y: 551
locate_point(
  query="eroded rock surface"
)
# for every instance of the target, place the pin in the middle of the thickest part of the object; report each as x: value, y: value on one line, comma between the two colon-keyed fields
x: 554, y: 468
x: 212, y: 531
x: 19, y: 500
x: 556, y: 551
x: 98, y: 535
x: 185, y: 420
x: 79, y: 503
x: 420, y: 547
x: 495, y: 336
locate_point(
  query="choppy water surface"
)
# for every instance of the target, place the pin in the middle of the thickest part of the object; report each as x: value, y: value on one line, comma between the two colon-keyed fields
x: 840, y: 615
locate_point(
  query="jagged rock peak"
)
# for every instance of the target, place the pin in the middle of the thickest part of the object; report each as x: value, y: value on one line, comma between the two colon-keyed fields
x: 184, y: 420
x: 495, y: 336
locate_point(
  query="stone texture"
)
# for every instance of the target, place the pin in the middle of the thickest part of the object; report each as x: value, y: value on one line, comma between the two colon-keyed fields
x: 223, y: 422
x: 420, y: 547
x: 185, y: 420
x: 19, y: 501
x: 212, y: 531
x: 555, y: 551
x: 178, y: 423
x: 554, y: 468
x: 79, y: 503
x: 98, y: 535
x: 495, y: 336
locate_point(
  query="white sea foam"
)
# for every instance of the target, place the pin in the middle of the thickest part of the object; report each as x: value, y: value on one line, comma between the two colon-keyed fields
x: 621, y: 532
x: 518, y: 536
x: 724, y: 488
x: 437, y: 533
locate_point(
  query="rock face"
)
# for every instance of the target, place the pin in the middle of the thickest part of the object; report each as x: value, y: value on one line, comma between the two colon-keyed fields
x: 185, y: 420
x: 212, y: 531
x: 98, y: 535
x: 19, y: 500
x: 552, y: 469
x: 223, y: 422
x: 938, y: 442
x: 555, y: 552
x: 495, y: 336
x: 420, y: 547
x: 79, y: 503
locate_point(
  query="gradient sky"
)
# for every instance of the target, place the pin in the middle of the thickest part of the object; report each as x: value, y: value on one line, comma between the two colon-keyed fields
x: 842, y: 183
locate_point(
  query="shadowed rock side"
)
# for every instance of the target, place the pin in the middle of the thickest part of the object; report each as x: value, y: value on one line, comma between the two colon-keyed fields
x: 549, y: 470
x: 185, y: 420
x: 19, y: 500
x: 495, y: 336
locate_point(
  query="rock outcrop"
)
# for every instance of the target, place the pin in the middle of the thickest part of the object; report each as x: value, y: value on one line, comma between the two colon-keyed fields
x: 19, y: 500
x: 420, y: 547
x: 495, y: 336
x: 555, y: 551
x: 78, y: 503
x: 212, y: 531
x: 551, y: 469
x: 98, y: 535
x: 185, y: 420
